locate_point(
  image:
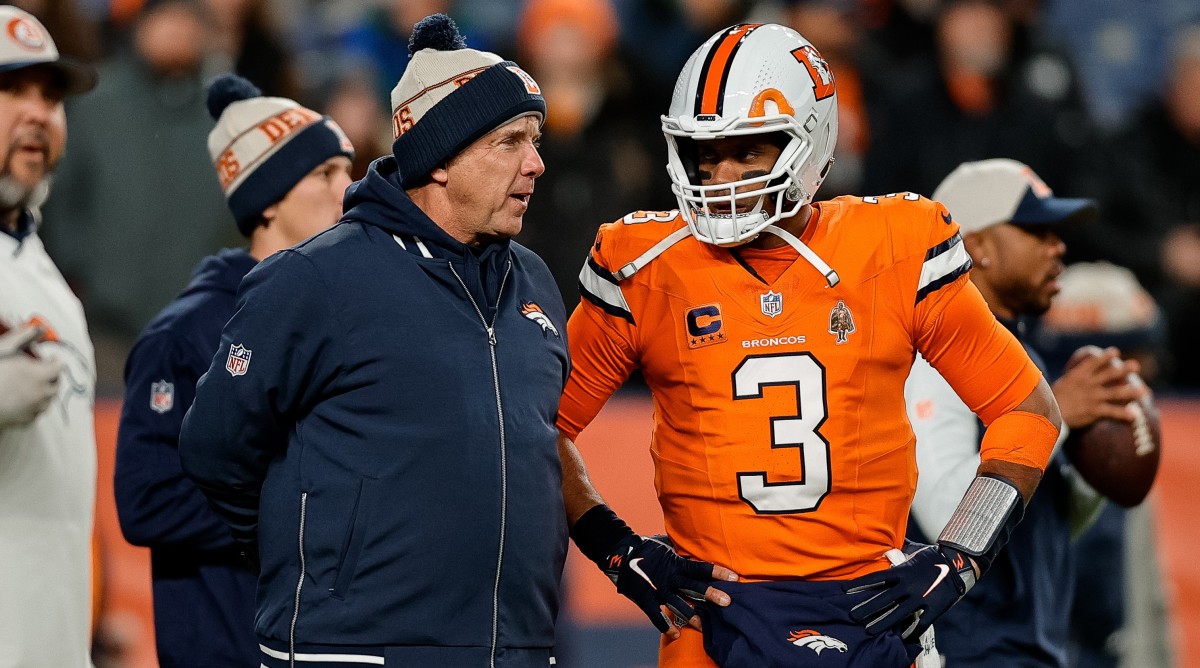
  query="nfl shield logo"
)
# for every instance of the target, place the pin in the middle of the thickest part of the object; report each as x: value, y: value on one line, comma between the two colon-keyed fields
x: 162, y: 396
x: 239, y: 360
x: 772, y: 303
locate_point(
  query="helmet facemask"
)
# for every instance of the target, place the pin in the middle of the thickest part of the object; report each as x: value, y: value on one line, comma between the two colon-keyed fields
x: 712, y: 211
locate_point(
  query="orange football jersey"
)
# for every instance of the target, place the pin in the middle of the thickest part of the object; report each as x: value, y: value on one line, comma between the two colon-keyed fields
x: 781, y: 445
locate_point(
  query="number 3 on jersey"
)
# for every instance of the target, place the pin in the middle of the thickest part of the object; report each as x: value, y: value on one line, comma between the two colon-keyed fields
x: 802, y: 372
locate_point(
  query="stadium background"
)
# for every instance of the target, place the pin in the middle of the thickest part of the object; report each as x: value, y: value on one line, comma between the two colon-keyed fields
x: 136, y: 204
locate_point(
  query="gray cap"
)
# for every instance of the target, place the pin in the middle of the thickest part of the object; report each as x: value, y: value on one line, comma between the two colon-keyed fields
x: 989, y: 192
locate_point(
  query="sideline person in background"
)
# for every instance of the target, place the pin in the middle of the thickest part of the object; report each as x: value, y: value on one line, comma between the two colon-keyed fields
x: 47, y: 371
x: 284, y: 170
x: 1010, y: 220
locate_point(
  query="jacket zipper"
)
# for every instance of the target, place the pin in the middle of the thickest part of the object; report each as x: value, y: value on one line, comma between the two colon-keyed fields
x: 299, y: 583
x: 491, y: 332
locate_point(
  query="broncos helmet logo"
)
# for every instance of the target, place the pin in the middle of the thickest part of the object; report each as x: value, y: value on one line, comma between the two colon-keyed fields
x: 535, y: 313
x: 816, y: 641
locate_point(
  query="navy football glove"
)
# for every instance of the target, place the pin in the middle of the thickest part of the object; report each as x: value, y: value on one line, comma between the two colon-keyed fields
x: 908, y: 597
x: 651, y: 574
x: 647, y: 571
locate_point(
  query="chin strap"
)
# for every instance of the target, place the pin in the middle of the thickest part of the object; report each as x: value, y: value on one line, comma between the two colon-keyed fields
x: 831, y: 276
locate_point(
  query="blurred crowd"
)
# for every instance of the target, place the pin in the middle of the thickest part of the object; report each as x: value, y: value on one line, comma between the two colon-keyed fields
x: 1100, y: 97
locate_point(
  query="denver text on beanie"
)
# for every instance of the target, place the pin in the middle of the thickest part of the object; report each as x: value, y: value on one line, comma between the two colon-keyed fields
x: 262, y: 146
x: 450, y: 95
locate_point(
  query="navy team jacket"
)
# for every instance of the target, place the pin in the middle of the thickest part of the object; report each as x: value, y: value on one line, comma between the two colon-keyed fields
x: 379, y: 421
x: 203, y: 592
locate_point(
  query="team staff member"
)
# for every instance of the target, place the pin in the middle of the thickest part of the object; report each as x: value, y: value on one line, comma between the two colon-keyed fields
x: 284, y: 170
x: 776, y: 335
x: 379, y: 417
x: 1009, y: 219
x: 47, y: 372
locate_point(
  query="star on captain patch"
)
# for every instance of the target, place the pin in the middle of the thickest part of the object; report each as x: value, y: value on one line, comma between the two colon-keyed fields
x: 841, y: 322
x: 162, y: 396
x: 771, y: 303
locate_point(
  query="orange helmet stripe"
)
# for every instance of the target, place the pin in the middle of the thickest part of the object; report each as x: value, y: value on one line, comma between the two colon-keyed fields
x: 716, y: 69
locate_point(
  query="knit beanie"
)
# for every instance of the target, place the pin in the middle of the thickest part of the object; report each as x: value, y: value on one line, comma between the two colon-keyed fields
x: 263, y: 146
x: 450, y: 95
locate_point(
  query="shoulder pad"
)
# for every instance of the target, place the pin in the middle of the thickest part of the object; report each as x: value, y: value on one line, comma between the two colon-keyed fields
x: 913, y: 223
x: 625, y: 246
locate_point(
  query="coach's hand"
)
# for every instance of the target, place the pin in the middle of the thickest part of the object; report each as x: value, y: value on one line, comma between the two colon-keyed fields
x: 648, y: 572
x: 908, y: 597
x: 30, y: 383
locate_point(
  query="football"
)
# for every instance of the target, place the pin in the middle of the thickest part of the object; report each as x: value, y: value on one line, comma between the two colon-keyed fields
x: 1118, y: 459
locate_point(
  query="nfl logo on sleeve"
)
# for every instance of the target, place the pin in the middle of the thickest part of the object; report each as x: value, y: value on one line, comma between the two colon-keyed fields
x: 238, y: 362
x: 162, y: 396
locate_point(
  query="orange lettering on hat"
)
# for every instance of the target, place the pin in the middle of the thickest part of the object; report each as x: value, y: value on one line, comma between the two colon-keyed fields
x: 530, y: 85
x: 285, y: 123
x: 1039, y: 187
x: 228, y: 168
x: 464, y: 79
x: 402, y: 121
x: 26, y: 34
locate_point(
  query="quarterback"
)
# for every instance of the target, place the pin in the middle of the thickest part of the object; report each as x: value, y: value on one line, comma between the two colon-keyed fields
x: 776, y: 335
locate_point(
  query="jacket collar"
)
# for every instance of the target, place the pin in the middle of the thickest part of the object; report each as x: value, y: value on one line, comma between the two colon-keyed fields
x: 379, y: 200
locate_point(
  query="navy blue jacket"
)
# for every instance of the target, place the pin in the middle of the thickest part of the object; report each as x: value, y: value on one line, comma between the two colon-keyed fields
x: 379, y: 420
x: 203, y: 592
x: 1018, y: 614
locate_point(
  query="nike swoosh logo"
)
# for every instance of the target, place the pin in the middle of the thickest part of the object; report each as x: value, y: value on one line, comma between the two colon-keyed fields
x: 946, y: 218
x: 943, y: 571
x: 635, y: 565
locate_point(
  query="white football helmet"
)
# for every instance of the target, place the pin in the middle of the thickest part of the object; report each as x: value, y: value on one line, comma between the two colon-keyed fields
x: 751, y: 79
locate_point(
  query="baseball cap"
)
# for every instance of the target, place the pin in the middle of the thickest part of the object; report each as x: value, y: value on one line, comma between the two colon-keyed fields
x: 988, y: 192
x: 24, y: 42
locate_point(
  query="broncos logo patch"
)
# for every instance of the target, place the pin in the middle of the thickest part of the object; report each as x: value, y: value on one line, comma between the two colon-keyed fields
x: 535, y: 313
x: 816, y: 641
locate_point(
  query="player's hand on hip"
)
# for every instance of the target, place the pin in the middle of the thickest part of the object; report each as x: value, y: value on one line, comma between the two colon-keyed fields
x: 648, y: 572
x: 30, y: 383
x: 908, y: 597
